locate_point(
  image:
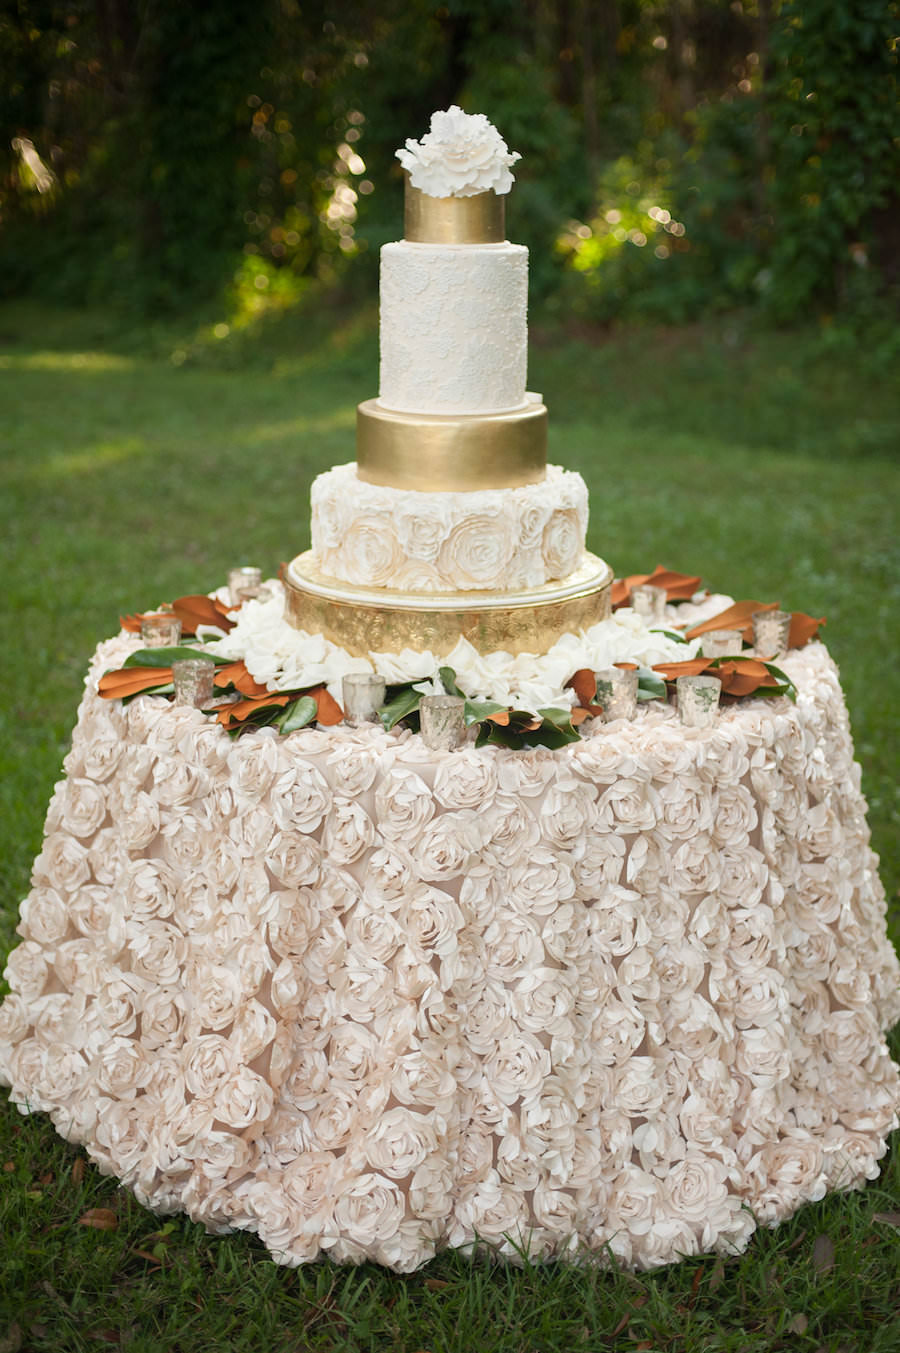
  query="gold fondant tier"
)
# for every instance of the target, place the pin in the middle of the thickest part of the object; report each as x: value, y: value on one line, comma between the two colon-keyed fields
x: 480, y: 219
x: 457, y: 453
x: 374, y: 620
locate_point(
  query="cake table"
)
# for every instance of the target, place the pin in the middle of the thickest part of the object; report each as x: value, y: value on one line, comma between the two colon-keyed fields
x: 370, y: 1000
x: 626, y: 997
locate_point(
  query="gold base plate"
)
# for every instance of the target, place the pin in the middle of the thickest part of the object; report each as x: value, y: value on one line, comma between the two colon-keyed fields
x: 375, y: 620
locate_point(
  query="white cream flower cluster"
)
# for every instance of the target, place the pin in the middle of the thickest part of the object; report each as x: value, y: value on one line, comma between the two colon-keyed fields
x: 462, y: 154
x: 283, y: 658
x: 370, y: 1001
x: 375, y: 536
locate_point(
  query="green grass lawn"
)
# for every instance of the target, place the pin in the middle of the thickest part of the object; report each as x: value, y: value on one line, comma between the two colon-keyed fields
x: 139, y: 465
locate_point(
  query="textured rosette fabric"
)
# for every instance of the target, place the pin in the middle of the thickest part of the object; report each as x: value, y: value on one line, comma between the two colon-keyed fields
x: 372, y: 535
x: 371, y: 1001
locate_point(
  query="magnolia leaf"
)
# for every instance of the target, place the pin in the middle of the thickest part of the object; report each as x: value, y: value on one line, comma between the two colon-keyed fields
x: 403, y: 702
x: 785, y: 685
x: 650, y: 686
x: 555, y: 730
x: 297, y: 715
x: 164, y: 688
x: 510, y: 733
x: 100, y: 1218
x: 674, y: 635
x: 499, y: 735
x: 448, y: 681
x: 164, y: 657
x: 476, y: 711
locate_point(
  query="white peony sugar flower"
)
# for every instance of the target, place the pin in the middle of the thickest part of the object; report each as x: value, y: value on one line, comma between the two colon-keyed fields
x: 462, y: 154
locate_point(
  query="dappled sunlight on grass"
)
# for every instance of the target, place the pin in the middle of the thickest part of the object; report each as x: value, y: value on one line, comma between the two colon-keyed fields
x: 91, y: 459
x: 342, y: 420
x: 67, y: 361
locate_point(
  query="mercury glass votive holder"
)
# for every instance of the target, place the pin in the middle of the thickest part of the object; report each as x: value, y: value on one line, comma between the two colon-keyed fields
x: 649, y: 602
x: 617, y: 693
x: 722, y: 644
x: 243, y: 580
x: 363, y: 695
x: 193, y: 680
x: 698, y: 700
x: 442, y: 721
x: 160, y: 629
x: 771, y: 633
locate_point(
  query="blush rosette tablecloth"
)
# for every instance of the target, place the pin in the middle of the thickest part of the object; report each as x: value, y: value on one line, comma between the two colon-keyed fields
x: 371, y: 1001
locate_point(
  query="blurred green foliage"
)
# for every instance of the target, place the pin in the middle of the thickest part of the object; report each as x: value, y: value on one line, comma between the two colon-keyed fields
x: 678, y: 155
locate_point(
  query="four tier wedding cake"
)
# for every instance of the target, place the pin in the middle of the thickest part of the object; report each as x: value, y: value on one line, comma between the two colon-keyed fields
x: 450, y: 521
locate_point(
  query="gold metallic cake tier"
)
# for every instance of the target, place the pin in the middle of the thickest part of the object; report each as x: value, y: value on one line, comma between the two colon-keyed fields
x: 374, y: 620
x: 480, y: 219
x: 451, y: 453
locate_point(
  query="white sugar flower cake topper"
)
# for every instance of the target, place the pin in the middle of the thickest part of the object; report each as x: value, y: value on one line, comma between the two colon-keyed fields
x: 461, y: 155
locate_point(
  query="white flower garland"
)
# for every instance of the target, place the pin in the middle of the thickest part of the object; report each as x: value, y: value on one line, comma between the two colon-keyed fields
x: 283, y: 658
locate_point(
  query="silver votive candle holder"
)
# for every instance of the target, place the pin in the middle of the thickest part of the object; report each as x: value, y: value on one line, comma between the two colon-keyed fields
x: 771, y: 633
x: 193, y: 681
x: 698, y: 700
x: 160, y: 629
x: 649, y: 602
x: 363, y: 695
x: 617, y: 693
x: 244, y: 579
x: 442, y: 721
x: 722, y: 644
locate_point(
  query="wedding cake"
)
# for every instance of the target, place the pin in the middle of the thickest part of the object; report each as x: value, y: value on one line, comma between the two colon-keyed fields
x: 450, y: 521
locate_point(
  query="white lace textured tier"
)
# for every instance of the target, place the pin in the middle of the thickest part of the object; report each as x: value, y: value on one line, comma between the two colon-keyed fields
x: 376, y: 536
x: 454, y: 334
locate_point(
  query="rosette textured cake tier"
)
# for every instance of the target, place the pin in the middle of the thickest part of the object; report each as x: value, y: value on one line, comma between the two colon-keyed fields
x: 450, y: 521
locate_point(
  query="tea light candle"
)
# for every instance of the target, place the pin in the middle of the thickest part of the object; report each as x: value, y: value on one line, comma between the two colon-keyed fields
x: 442, y: 721
x: 363, y: 695
x: 160, y: 629
x: 617, y: 692
x: 771, y: 633
x: 722, y: 644
x: 244, y: 579
x: 698, y: 700
x: 193, y: 681
x: 649, y: 602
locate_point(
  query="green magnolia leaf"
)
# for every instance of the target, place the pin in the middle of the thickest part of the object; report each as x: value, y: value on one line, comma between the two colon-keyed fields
x: 674, y: 635
x: 506, y: 735
x: 261, y: 716
x: 448, y: 681
x: 501, y: 737
x: 403, y: 702
x: 476, y: 711
x: 164, y: 657
x: 650, y: 685
x: 165, y: 688
x: 786, y: 686
x: 555, y: 731
x: 297, y: 715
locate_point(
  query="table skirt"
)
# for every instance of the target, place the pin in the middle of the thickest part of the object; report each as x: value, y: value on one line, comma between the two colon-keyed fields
x: 365, y: 999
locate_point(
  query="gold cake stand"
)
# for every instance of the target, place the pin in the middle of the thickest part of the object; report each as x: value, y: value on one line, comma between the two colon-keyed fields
x: 366, y: 620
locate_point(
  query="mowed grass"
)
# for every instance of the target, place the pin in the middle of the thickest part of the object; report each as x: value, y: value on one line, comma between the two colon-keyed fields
x: 140, y: 464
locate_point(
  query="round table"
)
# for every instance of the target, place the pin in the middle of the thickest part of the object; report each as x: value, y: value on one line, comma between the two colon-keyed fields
x: 372, y: 1000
